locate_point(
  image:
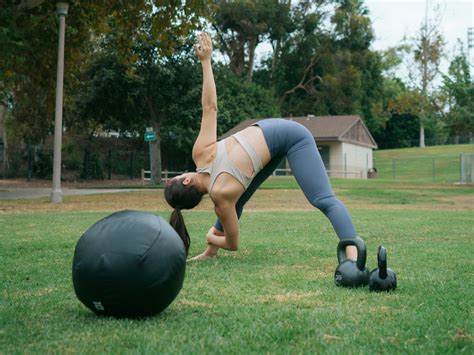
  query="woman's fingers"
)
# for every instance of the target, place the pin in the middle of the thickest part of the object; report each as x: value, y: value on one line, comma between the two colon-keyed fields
x: 204, y: 49
x: 200, y: 40
x: 208, y: 40
x: 205, y: 40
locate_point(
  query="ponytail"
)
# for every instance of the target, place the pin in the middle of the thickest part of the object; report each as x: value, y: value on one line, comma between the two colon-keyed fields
x: 177, y: 222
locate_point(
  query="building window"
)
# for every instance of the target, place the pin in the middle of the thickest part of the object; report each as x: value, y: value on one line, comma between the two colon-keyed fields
x: 324, y: 151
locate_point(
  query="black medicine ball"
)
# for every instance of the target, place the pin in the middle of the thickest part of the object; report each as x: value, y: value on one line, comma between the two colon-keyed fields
x: 129, y: 264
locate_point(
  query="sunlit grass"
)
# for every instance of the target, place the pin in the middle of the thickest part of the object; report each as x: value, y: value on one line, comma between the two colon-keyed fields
x: 275, y: 295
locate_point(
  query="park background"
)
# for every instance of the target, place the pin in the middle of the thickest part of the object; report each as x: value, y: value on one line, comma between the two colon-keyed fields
x: 130, y: 65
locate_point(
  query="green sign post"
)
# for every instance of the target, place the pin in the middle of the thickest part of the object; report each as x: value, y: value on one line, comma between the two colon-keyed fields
x: 150, y: 136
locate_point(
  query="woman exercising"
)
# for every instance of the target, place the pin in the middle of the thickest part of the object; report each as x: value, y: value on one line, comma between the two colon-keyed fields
x: 231, y: 170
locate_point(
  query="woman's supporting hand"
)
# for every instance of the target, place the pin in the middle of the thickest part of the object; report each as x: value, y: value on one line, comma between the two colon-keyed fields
x: 204, y: 50
x: 209, y: 254
x: 211, y: 250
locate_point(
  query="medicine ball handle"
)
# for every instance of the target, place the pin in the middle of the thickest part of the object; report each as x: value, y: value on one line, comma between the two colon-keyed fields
x: 382, y: 262
x: 361, y: 251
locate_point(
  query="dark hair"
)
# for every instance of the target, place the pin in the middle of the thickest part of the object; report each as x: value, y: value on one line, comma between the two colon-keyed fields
x: 177, y: 222
x: 181, y: 196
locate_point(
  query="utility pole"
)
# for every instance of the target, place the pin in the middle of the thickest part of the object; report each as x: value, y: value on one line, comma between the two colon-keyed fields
x: 56, y: 193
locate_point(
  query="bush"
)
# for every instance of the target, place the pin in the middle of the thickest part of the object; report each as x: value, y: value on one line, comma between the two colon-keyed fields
x: 42, y: 166
x: 92, y: 166
x: 71, y: 157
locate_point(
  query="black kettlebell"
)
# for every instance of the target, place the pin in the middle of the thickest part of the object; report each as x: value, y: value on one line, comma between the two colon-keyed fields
x: 351, y: 273
x: 382, y: 278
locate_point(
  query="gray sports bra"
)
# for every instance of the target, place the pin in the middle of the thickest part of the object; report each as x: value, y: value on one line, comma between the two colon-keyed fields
x: 222, y: 163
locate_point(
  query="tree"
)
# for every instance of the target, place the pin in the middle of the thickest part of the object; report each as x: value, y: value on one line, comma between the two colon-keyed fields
x: 391, y: 134
x: 328, y: 70
x: 167, y: 92
x: 292, y: 70
x: 427, y: 54
x: 352, y: 25
x: 405, y: 111
x: 242, y: 25
x: 30, y: 61
x: 458, y: 87
x: 239, y: 100
x: 28, y: 37
x: 107, y: 98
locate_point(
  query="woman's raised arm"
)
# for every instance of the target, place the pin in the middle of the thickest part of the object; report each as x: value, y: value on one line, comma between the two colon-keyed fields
x: 208, y: 132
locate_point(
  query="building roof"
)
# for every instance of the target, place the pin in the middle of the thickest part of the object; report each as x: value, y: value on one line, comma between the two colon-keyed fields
x: 350, y: 129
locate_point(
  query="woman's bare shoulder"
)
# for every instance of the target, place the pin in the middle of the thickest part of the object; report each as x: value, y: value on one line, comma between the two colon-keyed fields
x: 205, y: 156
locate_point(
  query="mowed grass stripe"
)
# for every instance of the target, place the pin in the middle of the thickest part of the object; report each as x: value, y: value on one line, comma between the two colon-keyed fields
x: 276, y: 294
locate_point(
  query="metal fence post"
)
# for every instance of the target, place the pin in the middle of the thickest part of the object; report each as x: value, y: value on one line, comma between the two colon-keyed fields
x: 28, y: 172
x: 86, y: 163
x: 460, y: 167
x: 345, y: 166
x: 109, y: 158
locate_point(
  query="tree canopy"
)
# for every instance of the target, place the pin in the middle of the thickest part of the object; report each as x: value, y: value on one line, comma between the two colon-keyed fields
x: 131, y: 65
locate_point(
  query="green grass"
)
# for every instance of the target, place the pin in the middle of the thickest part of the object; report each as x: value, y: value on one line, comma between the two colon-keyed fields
x: 427, y: 151
x: 275, y: 295
x: 381, y: 191
x: 436, y: 163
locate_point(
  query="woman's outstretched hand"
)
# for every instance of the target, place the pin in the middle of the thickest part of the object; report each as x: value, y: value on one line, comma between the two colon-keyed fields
x: 204, y: 50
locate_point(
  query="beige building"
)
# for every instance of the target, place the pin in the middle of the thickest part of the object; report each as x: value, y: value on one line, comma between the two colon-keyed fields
x: 344, y: 142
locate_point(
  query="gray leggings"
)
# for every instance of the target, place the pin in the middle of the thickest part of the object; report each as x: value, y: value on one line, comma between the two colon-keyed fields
x: 291, y: 140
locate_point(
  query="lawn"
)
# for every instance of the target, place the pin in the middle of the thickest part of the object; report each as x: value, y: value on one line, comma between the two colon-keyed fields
x: 275, y: 295
x: 430, y: 164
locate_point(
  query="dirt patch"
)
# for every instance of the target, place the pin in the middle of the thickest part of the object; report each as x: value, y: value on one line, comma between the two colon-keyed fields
x: 466, y: 201
x: 263, y: 200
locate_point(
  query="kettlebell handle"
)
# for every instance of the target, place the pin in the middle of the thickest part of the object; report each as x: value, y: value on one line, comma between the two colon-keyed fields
x: 361, y: 251
x: 382, y: 261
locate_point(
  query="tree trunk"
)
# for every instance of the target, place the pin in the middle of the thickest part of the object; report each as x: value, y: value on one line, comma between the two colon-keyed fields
x: 252, y: 46
x: 422, y: 136
x: 237, y: 57
x: 276, y: 53
x: 155, y: 157
x: 424, y: 89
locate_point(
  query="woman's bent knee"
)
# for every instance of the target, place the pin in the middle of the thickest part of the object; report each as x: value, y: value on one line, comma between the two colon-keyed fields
x: 324, y: 204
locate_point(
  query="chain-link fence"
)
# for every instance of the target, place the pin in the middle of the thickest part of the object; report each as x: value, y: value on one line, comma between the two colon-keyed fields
x: 467, y: 168
x: 87, y: 159
x: 114, y: 160
x: 80, y: 163
x: 445, y: 168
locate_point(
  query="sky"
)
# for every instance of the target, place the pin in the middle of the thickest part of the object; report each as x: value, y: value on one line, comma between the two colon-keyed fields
x: 392, y: 20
